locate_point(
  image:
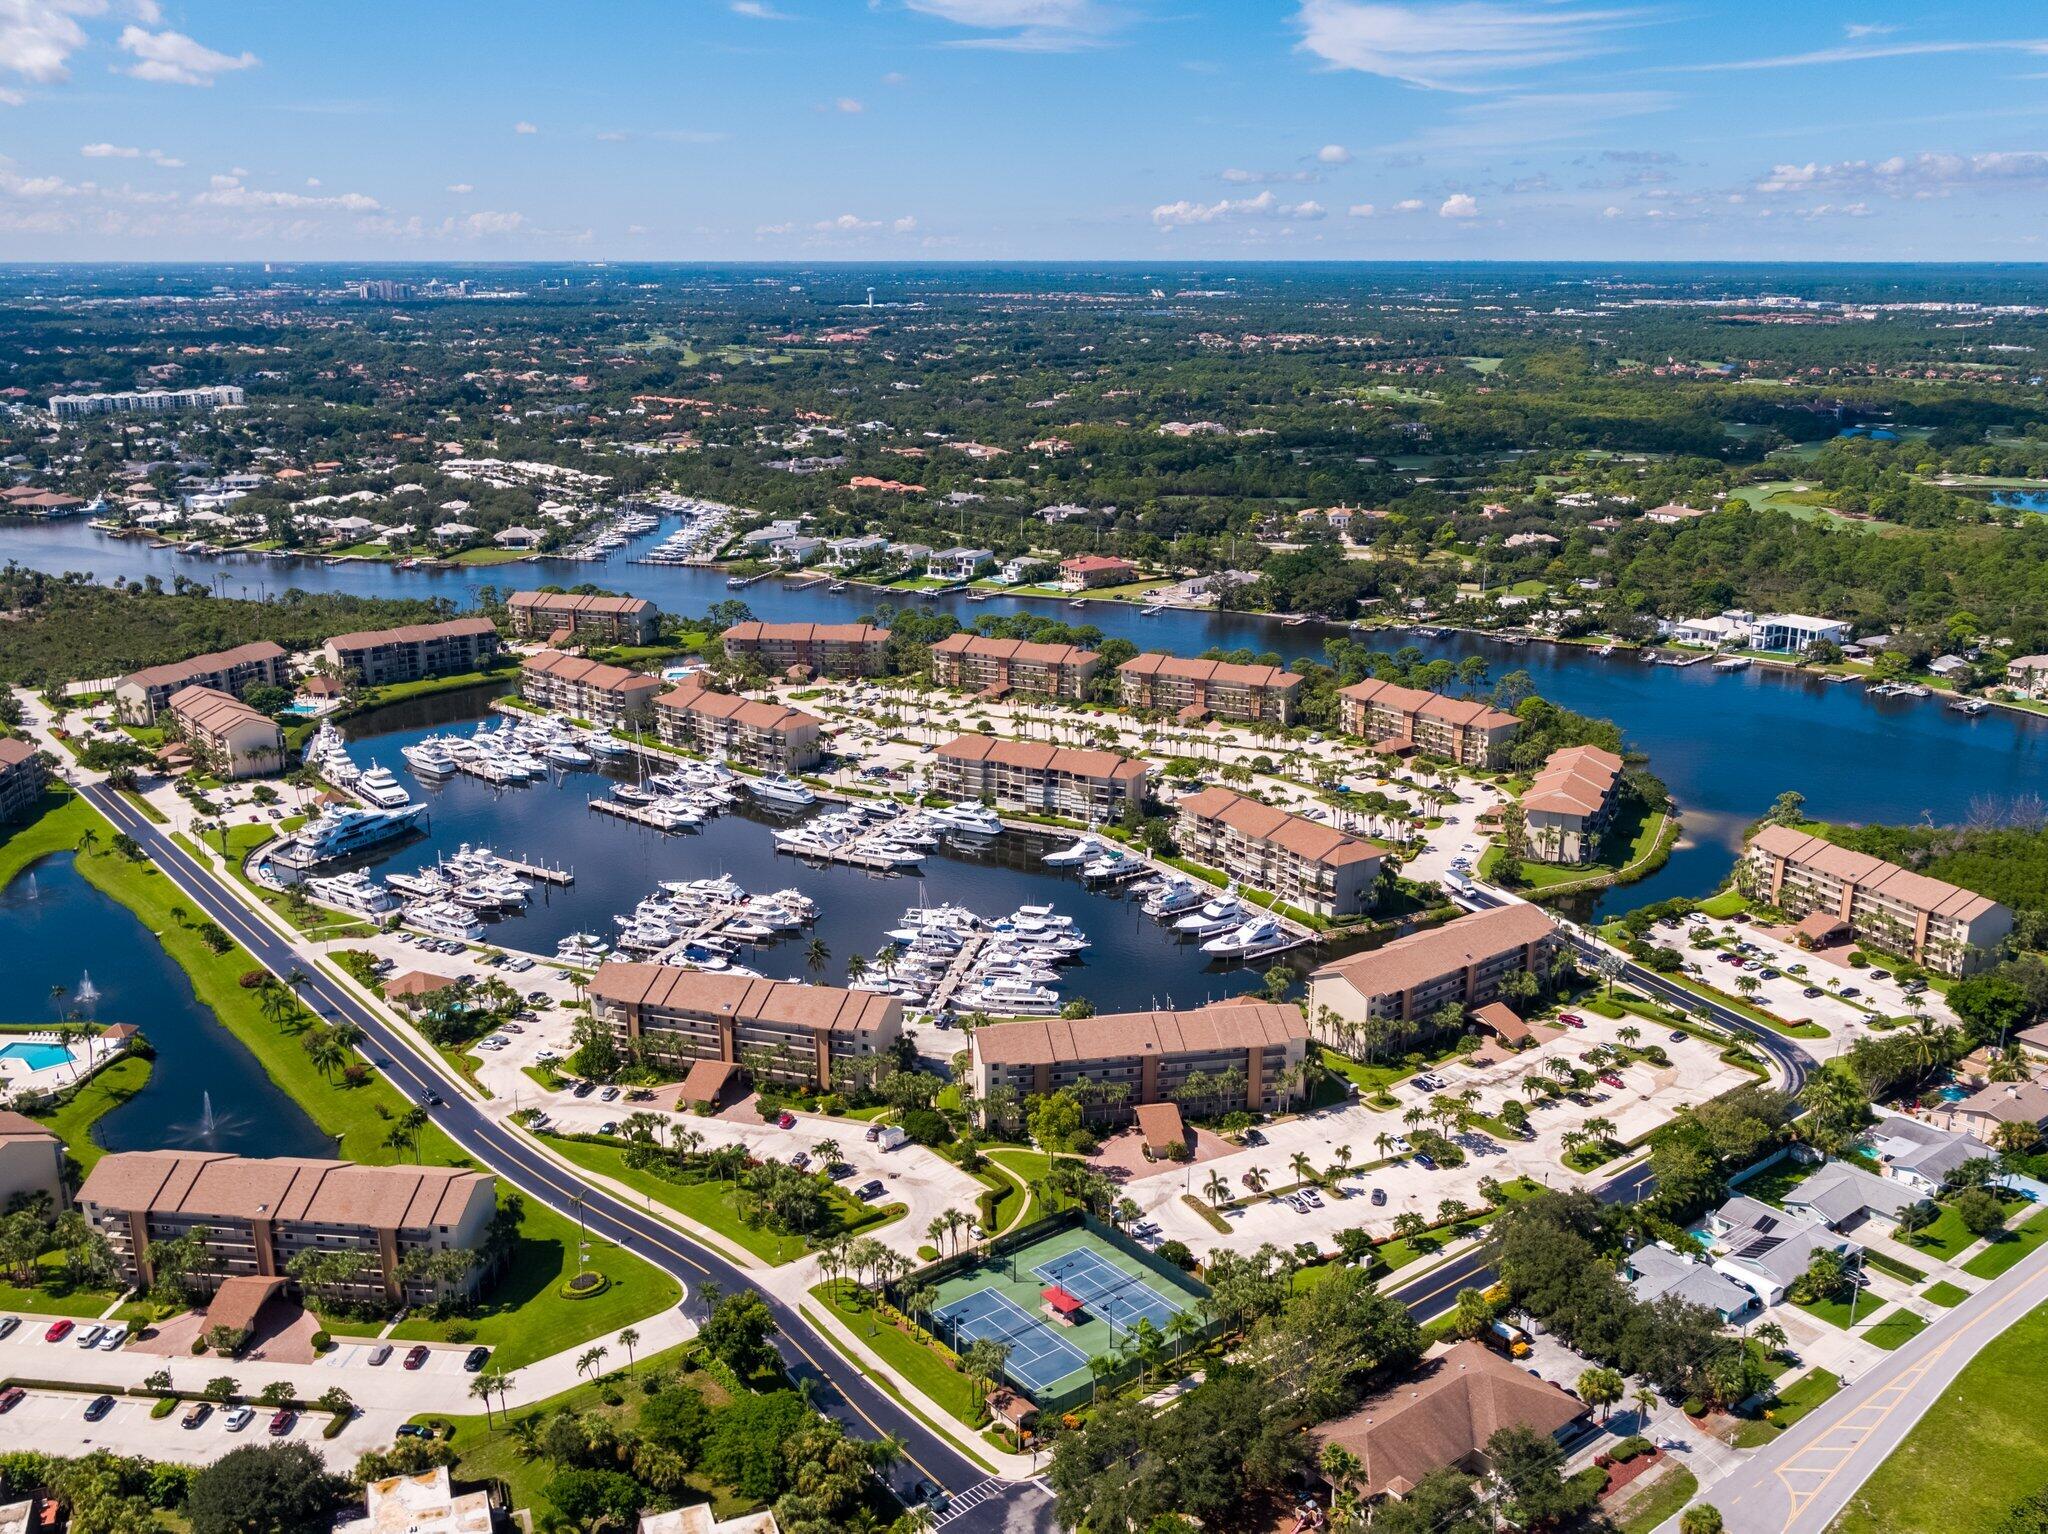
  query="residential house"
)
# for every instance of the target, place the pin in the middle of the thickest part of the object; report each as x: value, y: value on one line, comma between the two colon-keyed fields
x: 1671, y: 513
x: 31, y: 1161
x: 698, y: 1518
x: 604, y: 619
x: 232, y: 739
x: 1950, y: 930
x: 1843, y: 1196
x: 425, y: 1503
x: 1401, y: 719
x: 845, y: 553
x: 2003, y: 1102
x: 1570, y: 804
x: 259, y: 1214
x: 1039, y: 779
x: 142, y: 695
x: 784, y: 1030
x: 1792, y: 633
x: 606, y: 696
x: 1463, y: 962
x: 22, y: 775
x: 823, y: 649
x: 1658, y: 1269
x: 958, y: 564
x: 770, y: 737
x: 1231, y: 1055
x: 1306, y: 864
x: 2027, y: 675
x: 1085, y: 571
x: 414, y: 651
x: 1767, y: 1249
x: 1193, y: 689
x: 976, y: 663
x: 1918, y: 1154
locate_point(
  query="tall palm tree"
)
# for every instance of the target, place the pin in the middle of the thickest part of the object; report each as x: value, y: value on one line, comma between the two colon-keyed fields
x: 627, y: 1339
x: 817, y: 956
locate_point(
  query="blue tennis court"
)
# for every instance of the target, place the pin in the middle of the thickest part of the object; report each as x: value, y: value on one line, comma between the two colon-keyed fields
x: 1119, y: 1298
x: 1038, y: 1356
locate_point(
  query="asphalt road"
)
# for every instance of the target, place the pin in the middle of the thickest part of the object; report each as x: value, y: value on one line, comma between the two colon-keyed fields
x: 836, y: 1387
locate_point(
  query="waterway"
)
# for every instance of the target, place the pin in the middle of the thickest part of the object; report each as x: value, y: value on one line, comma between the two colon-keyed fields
x: 57, y: 930
x: 1726, y: 743
x: 1134, y: 963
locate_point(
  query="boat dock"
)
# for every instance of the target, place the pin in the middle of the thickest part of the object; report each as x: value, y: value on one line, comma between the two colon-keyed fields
x: 941, y: 998
x: 539, y: 872
x: 708, y: 926
x: 858, y: 851
x: 639, y: 814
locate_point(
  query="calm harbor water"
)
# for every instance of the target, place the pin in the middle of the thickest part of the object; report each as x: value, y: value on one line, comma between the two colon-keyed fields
x: 1726, y: 743
x: 57, y: 930
x: 1133, y: 964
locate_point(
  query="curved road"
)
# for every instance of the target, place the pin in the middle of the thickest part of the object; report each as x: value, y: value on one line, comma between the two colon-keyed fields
x: 836, y: 1387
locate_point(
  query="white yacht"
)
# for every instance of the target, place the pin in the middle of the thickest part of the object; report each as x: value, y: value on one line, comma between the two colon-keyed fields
x: 1176, y: 893
x: 443, y: 918
x: 604, y: 746
x: 344, y: 830
x: 1086, y: 850
x: 423, y: 885
x: 1007, y: 997
x: 353, y: 891
x: 382, y: 788
x: 582, y: 947
x: 566, y: 754
x: 783, y: 791
x: 430, y: 759
x: 1260, y: 935
x: 633, y: 793
x: 973, y: 819
x: 1218, y: 915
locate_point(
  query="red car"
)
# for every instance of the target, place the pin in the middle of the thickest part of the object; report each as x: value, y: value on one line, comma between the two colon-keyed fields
x: 1571, y: 1019
x: 58, y: 1331
x: 11, y: 1397
x: 785, y: 1120
x: 416, y: 1357
x: 1611, y: 1079
x: 281, y: 1424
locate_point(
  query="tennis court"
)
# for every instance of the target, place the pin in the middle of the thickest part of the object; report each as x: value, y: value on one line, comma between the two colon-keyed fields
x: 1104, y: 1285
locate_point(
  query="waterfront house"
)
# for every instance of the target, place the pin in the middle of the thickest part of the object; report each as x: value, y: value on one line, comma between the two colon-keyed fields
x: 2027, y: 675
x: 1084, y: 571
x: 229, y: 737
x: 1792, y: 633
x: 1213, y: 1059
x: 1569, y: 805
x: 958, y: 564
x: 414, y: 651
x: 1950, y: 930
x: 142, y: 695
x: 1461, y: 962
x: 1306, y: 864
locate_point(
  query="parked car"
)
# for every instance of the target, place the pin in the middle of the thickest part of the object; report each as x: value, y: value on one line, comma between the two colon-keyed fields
x: 113, y: 1339
x: 874, y: 1132
x: 9, y: 1325
x: 1812, y: 991
x: 239, y: 1418
x: 475, y: 1359
x: 380, y: 1355
x: 195, y: 1414
x: 1423, y: 1160
x: 100, y: 1406
x: 609, y: 1094
x: 1253, y: 1137
x: 412, y: 1430
x: 90, y: 1337
x: 11, y: 1397
x: 281, y: 1423
x: 584, y: 1089
x: 869, y: 1191
x: 1571, y: 1019
x: 1379, y: 1196
x: 58, y: 1331
x: 785, y: 1120
x: 801, y: 1161
x: 415, y: 1357
x: 1611, y: 1079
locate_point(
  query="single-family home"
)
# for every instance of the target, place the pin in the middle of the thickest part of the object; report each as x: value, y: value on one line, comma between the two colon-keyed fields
x: 2002, y: 1102
x: 1845, y: 1196
x: 1659, y: 1269
x: 1767, y: 1249
x: 1917, y: 1154
x: 958, y: 564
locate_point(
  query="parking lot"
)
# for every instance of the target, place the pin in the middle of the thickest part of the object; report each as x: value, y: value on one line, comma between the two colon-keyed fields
x: 54, y: 1422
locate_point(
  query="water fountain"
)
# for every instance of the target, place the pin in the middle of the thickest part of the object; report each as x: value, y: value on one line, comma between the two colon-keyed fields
x: 32, y: 892
x: 209, y: 1126
x: 87, y: 994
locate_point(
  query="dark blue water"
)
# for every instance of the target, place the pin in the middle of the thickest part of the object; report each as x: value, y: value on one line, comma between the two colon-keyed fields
x: 1726, y: 743
x: 1133, y: 964
x: 55, y: 929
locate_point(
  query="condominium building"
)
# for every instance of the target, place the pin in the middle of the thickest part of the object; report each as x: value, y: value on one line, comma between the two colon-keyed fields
x: 825, y: 649
x: 769, y: 736
x: 1399, y: 719
x: 1307, y: 865
x: 586, y: 689
x: 141, y: 695
x: 229, y: 737
x: 1570, y: 805
x: 977, y: 663
x: 781, y: 1029
x: 1173, y: 684
x: 1214, y: 1059
x: 1930, y: 921
x: 1038, y: 778
x: 73, y: 407
x: 21, y: 779
x: 1463, y: 961
x: 259, y: 1214
x: 416, y: 650
x: 561, y: 616
x: 31, y: 1160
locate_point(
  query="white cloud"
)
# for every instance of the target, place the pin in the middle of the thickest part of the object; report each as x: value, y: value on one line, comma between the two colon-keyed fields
x: 1409, y: 205
x: 1857, y: 53
x: 904, y: 225
x: 846, y: 223
x: 849, y: 106
x: 524, y: 127
x: 1265, y: 206
x: 1926, y: 174
x: 1459, y: 205
x: 1025, y: 26
x: 895, y: 77
x: 1867, y: 28
x: 229, y: 192
x: 38, y: 37
x: 1517, y: 119
x: 612, y: 136
x: 1265, y: 177
x: 1334, y: 154
x: 1457, y: 46
x: 461, y: 188
x: 754, y: 10
x: 1360, y: 210
x: 479, y: 225
x: 172, y: 58
x: 109, y: 152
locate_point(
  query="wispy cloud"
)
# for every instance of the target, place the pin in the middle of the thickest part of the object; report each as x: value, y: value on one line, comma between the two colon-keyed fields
x: 1027, y: 26
x: 1926, y: 174
x: 1464, y: 46
x: 1857, y: 53
x: 754, y: 10
x: 1522, y: 119
x: 1265, y: 206
x: 172, y: 58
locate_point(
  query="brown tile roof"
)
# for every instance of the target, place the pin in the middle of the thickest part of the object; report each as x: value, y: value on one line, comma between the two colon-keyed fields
x: 752, y: 632
x: 1423, y: 956
x: 818, y: 1008
x: 240, y: 1300
x: 15, y: 751
x: 695, y: 698
x: 1504, y: 1020
x: 1016, y: 651
x: 16, y: 1126
x: 1226, y: 672
x: 1126, y: 1035
x: 2009, y: 1102
x: 211, y: 1183
x: 570, y: 602
x: 412, y: 633
x: 1429, y: 705
x: 1162, y: 1125
x: 1575, y: 781
x: 706, y: 1079
x: 1443, y: 1416
x: 417, y: 982
x: 1917, y: 891
x: 589, y: 673
x: 210, y: 711
x: 174, y: 672
x: 1291, y: 833
x: 1039, y: 756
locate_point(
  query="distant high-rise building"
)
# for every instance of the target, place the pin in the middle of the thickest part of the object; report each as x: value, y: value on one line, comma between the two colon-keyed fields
x: 72, y: 407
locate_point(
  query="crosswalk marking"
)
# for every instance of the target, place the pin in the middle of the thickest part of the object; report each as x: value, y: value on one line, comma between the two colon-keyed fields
x: 969, y: 1499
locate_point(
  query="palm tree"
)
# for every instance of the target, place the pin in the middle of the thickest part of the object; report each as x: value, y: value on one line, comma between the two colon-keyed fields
x: 1304, y: 1170
x: 1771, y: 1335
x: 591, y: 1360
x: 480, y: 1387
x: 1645, y: 1403
x: 817, y: 956
x: 1217, y: 1191
x: 1100, y: 1368
x: 856, y: 967
x: 627, y: 1339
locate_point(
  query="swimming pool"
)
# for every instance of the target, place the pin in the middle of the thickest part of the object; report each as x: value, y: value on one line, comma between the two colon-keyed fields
x: 37, y: 1057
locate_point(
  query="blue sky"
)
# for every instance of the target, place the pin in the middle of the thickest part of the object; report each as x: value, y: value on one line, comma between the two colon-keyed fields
x: 1029, y: 129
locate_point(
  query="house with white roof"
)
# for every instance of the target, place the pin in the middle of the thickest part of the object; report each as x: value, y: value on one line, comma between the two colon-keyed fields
x: 1844, y: 1197
x: 1766, y: 1249
x: 1917, y: 1154
x: 1660, y: 1269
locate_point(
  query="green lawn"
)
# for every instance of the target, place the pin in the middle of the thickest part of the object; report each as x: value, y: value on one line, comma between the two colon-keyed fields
x: 1946, y: 1238
x: 918, y: 1362
x: 2009, y: 1248
x: 107, y: 1088
x: 1978, y: 1450
x: 710, y: 1204
x: 1730, y: 902
x: 1787, y: 1407
x: 63, y: 818
x: 1672, y: 1490
x: 52, y: 1295
x: 1838, y: 1312
x: 1892, y: 1265
x: 1029, y: 1165
x: 1944, y: 1294
x: 1371, y: 1080
x: 1895, y: 1329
